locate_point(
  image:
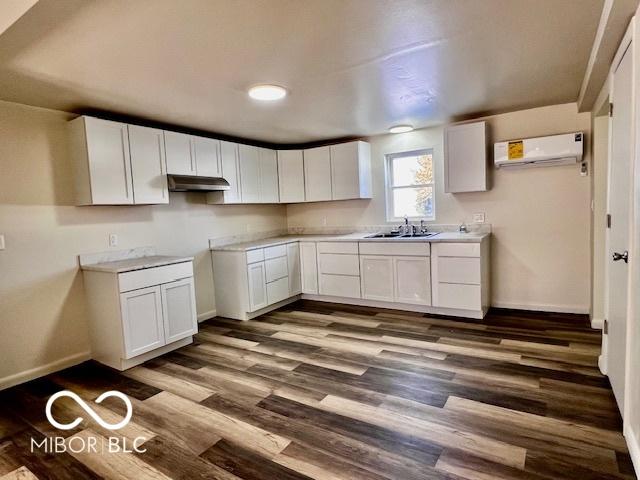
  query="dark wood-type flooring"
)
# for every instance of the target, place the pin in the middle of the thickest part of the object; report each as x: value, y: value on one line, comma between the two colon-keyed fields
x: 329, y: 391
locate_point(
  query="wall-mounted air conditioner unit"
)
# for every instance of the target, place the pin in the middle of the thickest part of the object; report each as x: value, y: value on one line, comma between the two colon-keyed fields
x: 539, y: 152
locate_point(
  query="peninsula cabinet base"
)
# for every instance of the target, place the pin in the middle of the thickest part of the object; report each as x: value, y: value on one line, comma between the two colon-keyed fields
x: 408, y: 307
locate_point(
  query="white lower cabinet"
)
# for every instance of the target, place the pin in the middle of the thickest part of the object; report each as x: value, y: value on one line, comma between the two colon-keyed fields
x: 377, y: 277
x: 396, y: 279
x: 256, y: 276
x: 309, y: 267
x: 139, y: 314
x: 295, y: 274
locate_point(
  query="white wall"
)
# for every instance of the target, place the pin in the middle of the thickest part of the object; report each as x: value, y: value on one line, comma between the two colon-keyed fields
x: 540, y: 216
x: 599, y: 178
x: 42, y: 308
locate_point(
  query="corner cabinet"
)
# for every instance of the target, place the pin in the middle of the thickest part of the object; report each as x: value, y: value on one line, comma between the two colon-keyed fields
x: 465, y: 158
x: 350, y: 171
x: 140, y: 314
x: 291, y: 176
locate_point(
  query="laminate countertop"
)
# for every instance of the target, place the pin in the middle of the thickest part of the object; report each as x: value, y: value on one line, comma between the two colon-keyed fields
x: 138, y: 263
x: 472, y: 237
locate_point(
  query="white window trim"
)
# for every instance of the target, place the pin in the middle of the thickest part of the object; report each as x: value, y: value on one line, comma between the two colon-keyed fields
x: 388, y: 188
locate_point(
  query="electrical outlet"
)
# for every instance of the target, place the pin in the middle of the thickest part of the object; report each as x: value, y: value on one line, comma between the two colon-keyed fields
x: 478, y: 218
x: 2, y: 246
x: 113, y: 240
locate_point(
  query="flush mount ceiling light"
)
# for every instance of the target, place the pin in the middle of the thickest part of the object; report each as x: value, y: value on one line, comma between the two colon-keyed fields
x: 267, y: 93
x: 401, y: 129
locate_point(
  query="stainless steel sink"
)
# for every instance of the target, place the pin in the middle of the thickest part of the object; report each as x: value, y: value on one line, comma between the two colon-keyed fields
x: 397, y: 235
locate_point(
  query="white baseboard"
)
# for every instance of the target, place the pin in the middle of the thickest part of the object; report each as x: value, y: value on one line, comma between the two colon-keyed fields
x: 33, y: 373
x: 597, y: 323
x: 634, y: 448
x: 543, y: 308
x: 206, y: 315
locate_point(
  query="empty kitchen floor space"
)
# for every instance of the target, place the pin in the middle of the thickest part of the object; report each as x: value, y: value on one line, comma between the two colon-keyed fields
x: 320, y: 390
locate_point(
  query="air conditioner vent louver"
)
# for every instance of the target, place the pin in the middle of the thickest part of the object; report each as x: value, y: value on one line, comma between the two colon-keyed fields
x: 540, y: 151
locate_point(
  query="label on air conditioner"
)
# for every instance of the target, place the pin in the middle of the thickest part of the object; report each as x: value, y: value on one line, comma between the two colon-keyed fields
x: 516, y: 150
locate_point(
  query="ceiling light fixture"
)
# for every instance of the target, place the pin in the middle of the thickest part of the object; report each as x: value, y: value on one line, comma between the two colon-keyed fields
x: 267, y: 93
x: 401, y: 129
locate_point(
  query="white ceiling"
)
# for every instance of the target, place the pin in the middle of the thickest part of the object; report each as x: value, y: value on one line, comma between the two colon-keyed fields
x: 353, y: 67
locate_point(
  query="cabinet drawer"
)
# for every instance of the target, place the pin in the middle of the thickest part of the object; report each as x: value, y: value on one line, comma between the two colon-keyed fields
x: 254, y: 256
x: 395, y: 248
x: 274, y: 252
x: 459, y: 270
x: 340, y: 286
x: 276, y: 268
x: 338, y: 247
x: 465, y: 297
x: 278, y: 290
x: 154, y: 276
x: 458, y: 249
x: 339, y: 264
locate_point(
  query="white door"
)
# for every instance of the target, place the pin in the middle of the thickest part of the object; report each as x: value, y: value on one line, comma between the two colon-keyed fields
x: 230, y: 172
x: 293, y: 261
x: 345, y: 176
x: 309, y: 267
x: 412, y: 280
x: 178, y: 152
x: 148, y: 165
x: 376, y: 277
x: 268, y: 176
x: 109, y: 162
x: 291, y: 176
x: 618, y: 238
x: 179, y: 310
x: 317, y: 174
x: 249, y: 173
x: 206, y: 152
x: 257, y: 286
x: 142, y: 320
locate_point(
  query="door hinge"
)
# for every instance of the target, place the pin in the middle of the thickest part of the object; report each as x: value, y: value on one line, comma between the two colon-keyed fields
x: 605, y: 327
x: 608, y: 220
x: 611, y: 109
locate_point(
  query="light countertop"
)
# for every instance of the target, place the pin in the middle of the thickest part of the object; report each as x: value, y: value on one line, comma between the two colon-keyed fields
x: 139, y: 263
x: 351, y: 237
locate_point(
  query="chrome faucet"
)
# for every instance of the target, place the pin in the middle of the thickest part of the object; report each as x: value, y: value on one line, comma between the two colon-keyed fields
x: 404, y: 228
x: 423, y: 228
x: 463, y: 228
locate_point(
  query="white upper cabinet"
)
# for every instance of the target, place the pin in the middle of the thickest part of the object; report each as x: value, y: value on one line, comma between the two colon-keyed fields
x: 100, y: 150
x: 317, y: 174
x: 207, y: 156
x: 268, y: 176
x: 351, y: 170
x: 291, y: 176
x: 230, y: 171
x: 179, y: 153
x: 249, y: 173
x: 148, y: 166
x: 465, y: 158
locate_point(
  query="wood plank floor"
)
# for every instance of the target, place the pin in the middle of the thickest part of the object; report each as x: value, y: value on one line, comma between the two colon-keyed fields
x: 329, y: 391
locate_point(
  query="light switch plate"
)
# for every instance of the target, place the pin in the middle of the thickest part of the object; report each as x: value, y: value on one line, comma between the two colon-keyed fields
x: 113, y: 240
x: 2, y: 242
x: 478, y: 218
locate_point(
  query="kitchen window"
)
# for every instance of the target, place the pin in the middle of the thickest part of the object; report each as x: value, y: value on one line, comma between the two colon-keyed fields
x: 410, y: 185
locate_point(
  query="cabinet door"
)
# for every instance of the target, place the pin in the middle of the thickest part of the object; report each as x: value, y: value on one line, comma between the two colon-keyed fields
x: 109, y: 162
x: 249, y: 173
x: 350, y: 170
x: 268, y: 176
x: 412, y: 280
x: 142, y: 320
x: 257, y: 286
x: 376, y: 277
x: 148, y: 165
x: 207, y: 155
x: 230, y: 171
x: 179, y: 310
x: 465, y: 158
x: 291, y: 176
x: 317, y: 174
x: 293, y: 261
x: 178, y: 151
x: 309, y: 267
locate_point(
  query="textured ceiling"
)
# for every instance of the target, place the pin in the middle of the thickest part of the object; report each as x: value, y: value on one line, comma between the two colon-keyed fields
x: 353, y: 67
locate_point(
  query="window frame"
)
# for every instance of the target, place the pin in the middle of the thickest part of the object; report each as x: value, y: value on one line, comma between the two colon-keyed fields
x: 389, y: 187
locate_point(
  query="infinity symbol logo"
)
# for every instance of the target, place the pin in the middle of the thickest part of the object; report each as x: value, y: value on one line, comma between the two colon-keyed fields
x: 89, y: 410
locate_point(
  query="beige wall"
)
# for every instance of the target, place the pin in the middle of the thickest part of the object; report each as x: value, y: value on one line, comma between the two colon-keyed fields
x: 42, y: 309
x: 540, y: 216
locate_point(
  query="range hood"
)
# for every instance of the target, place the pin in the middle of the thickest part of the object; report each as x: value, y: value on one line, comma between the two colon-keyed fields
x: 192, y: 183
